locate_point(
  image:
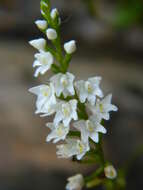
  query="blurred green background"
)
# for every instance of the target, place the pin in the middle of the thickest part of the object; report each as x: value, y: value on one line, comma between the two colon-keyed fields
x: 109, y: 37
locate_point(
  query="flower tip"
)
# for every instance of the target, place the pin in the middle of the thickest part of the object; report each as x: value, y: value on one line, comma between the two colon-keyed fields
x: 54, y: 13
x: 38, y: 43
x: 116, y: 108
x: 31, y: 90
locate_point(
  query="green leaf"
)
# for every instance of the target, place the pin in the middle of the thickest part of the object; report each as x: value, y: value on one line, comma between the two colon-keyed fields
x: 128, y: 13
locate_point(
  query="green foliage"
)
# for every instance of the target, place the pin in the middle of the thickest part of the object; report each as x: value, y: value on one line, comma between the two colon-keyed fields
x: 128, y: 13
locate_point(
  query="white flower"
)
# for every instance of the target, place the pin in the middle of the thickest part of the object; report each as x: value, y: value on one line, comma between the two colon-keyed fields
x: 67, y: 150
x: 54, y: 13
x: 46, y: 100
x: 43, y: 62
x: 38, y: 44
x: 63, y: 83
x: 73, y: 147
x: 75, y: 182
x: 90, y: 128
x: 58, y: 132
x: 82, y: 148
x: 110, y: 172
x: 70, y: 47
x: 103, y: 107
x: 66, y: 111
x: 51, y: 34
x: 89, y: 89
x: 41, y: 24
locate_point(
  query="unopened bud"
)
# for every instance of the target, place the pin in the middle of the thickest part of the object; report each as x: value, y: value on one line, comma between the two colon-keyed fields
x: 70, y: 47
x: 41, y: 24
x: 38, y: 43
x: 51, y: 34
x: 110, y: 172
x: 54, y: 13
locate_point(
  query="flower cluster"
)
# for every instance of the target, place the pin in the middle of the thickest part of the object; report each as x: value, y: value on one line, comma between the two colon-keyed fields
x: 51, y: 99
x: 78, y: 107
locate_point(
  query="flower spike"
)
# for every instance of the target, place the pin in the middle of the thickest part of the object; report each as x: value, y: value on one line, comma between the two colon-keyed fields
x: 77, y: 108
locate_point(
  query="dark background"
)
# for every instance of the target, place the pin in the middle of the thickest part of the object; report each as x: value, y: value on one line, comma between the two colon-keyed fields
x: 109, y: 37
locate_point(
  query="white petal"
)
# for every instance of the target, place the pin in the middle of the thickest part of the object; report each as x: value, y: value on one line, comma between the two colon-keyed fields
x: 82, y: 97
x: 114, y: 108
x: 80, y: 156
x: 71, y: 89
x: 65, y: 93
x: 99, y: 93
x: 44, y: 69
x: 36, y: 63
x: 95, y: 137
x: 58, y: 118
x: 71, y: 76
x: 36, y: 90
x: 95, y: 80
x: 66, y: 121
x: 59, y: 90
x: 105, y: 116
x: 73, y: 103
x: 49, y: 138
x: 101, y: 129
x: 37, y: 71
x: 79, y: 124
x: 38, y: 44
x: 107, y: 99
x: 91, y: 99
x: 75, y: 116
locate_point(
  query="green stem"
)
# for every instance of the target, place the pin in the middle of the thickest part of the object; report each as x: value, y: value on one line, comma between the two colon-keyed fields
x: 98, y: 172
x: 100, y: 150
x: 46, y: 8
x: 66, y: 61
